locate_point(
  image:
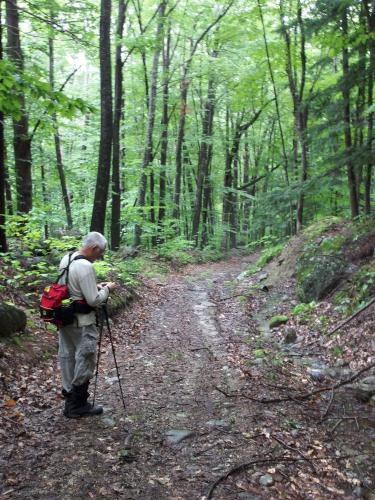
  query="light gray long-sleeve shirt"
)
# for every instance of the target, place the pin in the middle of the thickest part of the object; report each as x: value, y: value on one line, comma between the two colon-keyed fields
x: 82, y: 285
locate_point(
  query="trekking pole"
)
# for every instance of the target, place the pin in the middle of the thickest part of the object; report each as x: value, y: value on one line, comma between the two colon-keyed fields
x: 105, y: 311
x: 101, y: 326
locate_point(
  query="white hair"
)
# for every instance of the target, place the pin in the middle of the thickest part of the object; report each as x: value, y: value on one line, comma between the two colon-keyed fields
x: 94, y: 239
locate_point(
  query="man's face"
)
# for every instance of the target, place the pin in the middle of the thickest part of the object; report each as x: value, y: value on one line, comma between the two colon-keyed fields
x: 96, y: 253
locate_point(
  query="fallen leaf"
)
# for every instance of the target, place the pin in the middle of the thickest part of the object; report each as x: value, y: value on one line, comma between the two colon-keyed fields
x: 9, y: 403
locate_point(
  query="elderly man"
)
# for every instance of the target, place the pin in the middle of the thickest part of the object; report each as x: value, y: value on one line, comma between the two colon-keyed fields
x: 78, y: 342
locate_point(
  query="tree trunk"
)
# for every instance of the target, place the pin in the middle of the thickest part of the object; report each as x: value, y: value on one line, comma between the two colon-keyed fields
x: 164, y: 133
x: 370, y: 15
x: 106, y: 123
x: 21, y: 138
x: 347, y: 129
x: 285, y: 156
x: 184, y: 86
x: 234, y: 203
x: 245, y: 179
x: 207, y: 131
x: 360, y: 107
x: 59, y: 161
x: 148, y: 151
x: 44, y: 190
x: 3, y: 239
x: 116, y: 159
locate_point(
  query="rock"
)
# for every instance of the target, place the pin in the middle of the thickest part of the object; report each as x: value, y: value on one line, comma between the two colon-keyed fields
x: 108, y: 422
x: 262, y: 277
x: 126, y: 251
x: 358, y: 492
x: 266, y: 480
x: 369, y: 380
x: 12, y: 319
x: 175, y: 436
x: 290, y: 336
x: 317, y: 275
x: 218, y: 423
x: 276, y: 321
x: 316, y: 374
x: 126, y: 455
x: 372, y: 401
x: 365, y: 390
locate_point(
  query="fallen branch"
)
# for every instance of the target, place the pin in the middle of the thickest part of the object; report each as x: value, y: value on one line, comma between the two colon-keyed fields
x: 352, y: 317
x: 328, y: 407
x: 295, y: 450
x: 247, y: 465
x: 301, y: 397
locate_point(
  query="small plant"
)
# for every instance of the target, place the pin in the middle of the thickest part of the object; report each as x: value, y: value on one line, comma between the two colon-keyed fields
x: 337, y: 351
x: 259, y: 353
x: 269, y: 254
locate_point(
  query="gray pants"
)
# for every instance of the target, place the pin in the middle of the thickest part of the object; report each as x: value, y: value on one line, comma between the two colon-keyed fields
x: 77, y: 354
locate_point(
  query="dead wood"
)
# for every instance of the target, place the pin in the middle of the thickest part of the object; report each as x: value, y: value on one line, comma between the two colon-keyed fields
x: 299, y: 397
x: 352, y: 317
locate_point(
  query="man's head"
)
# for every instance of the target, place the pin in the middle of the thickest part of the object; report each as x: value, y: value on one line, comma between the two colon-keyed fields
x: 93, y: 246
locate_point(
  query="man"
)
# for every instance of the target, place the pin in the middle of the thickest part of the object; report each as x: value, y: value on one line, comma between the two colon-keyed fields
x: 78, y: 341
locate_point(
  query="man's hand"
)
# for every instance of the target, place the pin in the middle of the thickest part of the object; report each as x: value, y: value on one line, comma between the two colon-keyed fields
x: 111, y: 285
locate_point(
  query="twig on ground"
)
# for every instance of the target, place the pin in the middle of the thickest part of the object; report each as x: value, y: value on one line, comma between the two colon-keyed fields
x: 295, y: 450
x: 197, y: 453
x: 328, y: 407
x: 11, y: 420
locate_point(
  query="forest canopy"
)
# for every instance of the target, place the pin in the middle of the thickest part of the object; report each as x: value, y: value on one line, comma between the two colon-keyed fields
x: 218, y: 123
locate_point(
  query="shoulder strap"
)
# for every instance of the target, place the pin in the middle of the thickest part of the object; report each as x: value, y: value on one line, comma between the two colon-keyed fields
x: 66, y: 269
x: 80, y: 257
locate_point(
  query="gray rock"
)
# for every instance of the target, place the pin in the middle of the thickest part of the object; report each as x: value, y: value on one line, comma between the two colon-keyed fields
x: 372, y: 401
x: 108, y: 422
x: 317, y: 275
x: 218, y: 423
x: 262, y: 276
x: 369, y: 380
x: 12, y: 319
x: 175, y: 436
x: 365, y: 390
x: 290, y: 336
x: 316, y: 374
x: 266, y: 480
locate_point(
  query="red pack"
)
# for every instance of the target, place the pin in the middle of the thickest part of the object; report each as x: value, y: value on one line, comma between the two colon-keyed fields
x: 55, y: 305
x: 52, y: 307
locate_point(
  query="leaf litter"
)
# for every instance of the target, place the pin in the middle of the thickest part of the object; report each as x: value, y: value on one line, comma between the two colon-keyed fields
x: 184, y: 367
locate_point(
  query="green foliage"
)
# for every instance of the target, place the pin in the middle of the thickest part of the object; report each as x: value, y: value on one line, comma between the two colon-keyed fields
x: 269, y: 254
x: 303, y: 311
x: 278, y: 320
x: 259, y: 353
x: 177, y: 251
x: 358, y: 292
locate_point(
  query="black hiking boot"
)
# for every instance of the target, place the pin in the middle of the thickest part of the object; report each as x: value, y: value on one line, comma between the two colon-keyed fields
x: 76, y: 404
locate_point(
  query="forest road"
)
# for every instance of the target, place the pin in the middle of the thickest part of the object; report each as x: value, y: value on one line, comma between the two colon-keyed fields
x: 183, y: 350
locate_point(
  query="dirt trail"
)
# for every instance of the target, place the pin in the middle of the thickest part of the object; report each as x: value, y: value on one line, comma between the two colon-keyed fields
x: 185, y: 433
